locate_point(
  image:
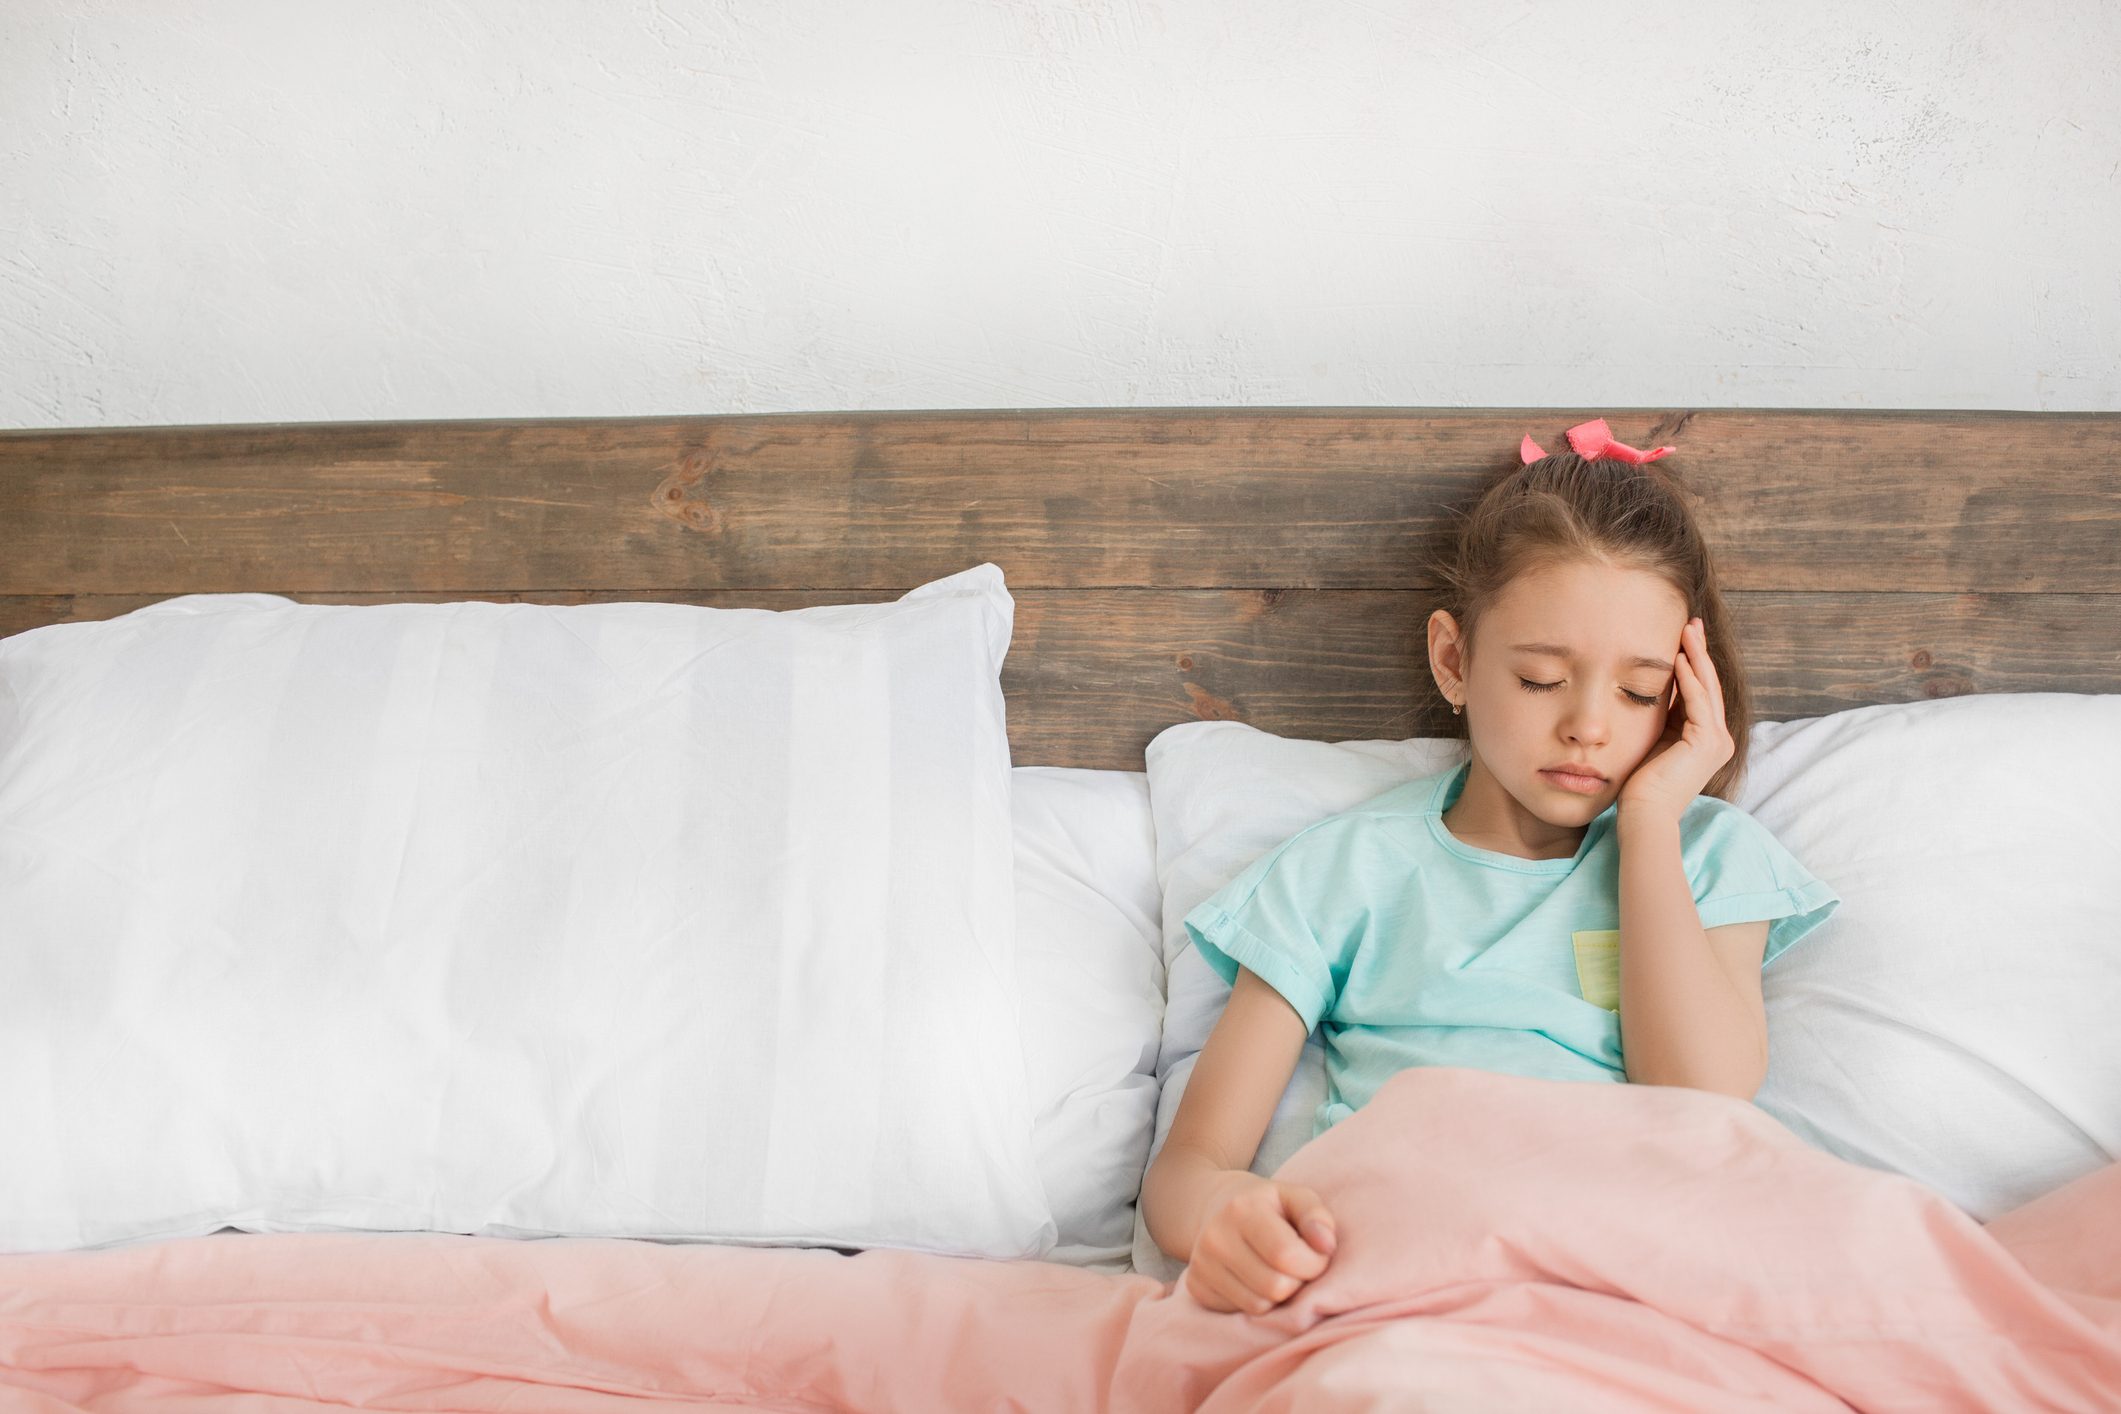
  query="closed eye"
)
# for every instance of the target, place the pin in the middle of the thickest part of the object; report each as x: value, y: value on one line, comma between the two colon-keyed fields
x: 1635, y: 697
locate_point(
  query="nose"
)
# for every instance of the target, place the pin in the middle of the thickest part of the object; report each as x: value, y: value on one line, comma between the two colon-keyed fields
x: 1585, y: 722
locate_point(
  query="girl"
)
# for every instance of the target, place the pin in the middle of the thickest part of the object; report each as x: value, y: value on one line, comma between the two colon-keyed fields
x: 1583, y: 875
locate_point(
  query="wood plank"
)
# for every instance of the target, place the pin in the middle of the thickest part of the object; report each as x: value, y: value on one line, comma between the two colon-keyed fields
x: 1311, y: 498
x: 1092, y: 675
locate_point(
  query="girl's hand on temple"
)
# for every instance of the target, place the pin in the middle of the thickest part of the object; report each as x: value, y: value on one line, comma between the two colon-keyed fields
x: 1696, y: 741
x: 1248, y: 1255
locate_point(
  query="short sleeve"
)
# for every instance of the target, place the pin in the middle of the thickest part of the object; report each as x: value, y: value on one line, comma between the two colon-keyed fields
x: 1272, y: 919
x: 1742, y: 874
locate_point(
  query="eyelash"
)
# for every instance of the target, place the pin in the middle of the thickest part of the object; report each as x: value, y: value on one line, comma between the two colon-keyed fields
x: 1635, y: 698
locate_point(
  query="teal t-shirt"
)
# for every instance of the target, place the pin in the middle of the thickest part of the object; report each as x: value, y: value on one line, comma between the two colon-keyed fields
x: 1416, y: 948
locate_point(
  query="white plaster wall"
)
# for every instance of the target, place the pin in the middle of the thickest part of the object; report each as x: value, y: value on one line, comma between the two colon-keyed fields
x: 263, y: 210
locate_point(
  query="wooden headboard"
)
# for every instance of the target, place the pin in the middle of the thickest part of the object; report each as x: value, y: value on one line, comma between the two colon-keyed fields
x: 1167, y: 564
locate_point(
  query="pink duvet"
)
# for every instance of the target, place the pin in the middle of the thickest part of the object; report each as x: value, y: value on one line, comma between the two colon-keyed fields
x: 1504, y: 1243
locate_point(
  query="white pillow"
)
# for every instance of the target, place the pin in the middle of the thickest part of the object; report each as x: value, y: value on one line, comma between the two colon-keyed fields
x: 1090, y: 958
x: 1903, y: 1035
x: 1957, y: 1024
x: 631, y: 919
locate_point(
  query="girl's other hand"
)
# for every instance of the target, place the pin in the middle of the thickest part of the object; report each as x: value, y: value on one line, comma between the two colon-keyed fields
x: 1249, y: 1255
x: 1696, y: 740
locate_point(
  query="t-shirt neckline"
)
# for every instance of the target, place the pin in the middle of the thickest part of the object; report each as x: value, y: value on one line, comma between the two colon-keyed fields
x: 1451, y: 784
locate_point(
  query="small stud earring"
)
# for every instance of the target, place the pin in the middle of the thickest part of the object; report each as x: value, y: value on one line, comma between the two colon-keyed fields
x: 1456, y: 708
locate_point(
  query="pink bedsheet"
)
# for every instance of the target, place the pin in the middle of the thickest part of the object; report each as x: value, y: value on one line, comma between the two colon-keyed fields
x: 1503, y: 1243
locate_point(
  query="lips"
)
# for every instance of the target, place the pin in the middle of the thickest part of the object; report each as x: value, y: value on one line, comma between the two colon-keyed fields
x: 1576, y: 771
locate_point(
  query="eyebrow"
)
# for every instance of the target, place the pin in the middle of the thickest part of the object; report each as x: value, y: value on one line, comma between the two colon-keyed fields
x: 1555, y: 650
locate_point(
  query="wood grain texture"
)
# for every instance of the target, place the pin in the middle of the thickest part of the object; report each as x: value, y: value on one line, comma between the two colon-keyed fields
x: 1168, y: 564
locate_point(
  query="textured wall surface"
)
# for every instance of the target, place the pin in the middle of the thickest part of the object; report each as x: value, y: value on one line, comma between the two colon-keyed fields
x: 253, y: 211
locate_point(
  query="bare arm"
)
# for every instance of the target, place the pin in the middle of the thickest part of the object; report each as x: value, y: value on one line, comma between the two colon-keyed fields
x: 1238, y: 1079
x: 1690, y: 1001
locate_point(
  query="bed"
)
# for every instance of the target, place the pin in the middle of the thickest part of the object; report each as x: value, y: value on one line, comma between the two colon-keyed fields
x: 1182, y: 633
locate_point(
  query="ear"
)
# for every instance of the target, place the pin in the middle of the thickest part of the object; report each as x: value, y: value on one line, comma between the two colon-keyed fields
x: 1446, y: 652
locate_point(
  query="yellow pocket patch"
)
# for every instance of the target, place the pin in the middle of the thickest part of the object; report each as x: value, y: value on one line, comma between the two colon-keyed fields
x: 1598, y: 966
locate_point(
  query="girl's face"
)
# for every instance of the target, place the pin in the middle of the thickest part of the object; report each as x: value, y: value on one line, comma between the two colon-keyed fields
x: 1589, y: 699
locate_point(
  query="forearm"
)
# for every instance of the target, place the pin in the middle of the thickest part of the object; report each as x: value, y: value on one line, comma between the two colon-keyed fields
x: 1682, y: 1021
x: 1174, y: 1199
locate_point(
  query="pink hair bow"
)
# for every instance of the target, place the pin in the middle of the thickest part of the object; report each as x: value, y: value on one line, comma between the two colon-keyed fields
x: 1593, y: 439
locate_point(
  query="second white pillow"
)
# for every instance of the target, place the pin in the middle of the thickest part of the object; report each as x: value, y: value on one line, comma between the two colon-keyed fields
x: 1087, y: 928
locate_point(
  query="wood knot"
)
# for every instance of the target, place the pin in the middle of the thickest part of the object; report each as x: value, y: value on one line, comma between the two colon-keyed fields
x: 1207, y: 706
x: 677, y: 495
x: 1263, y: 602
